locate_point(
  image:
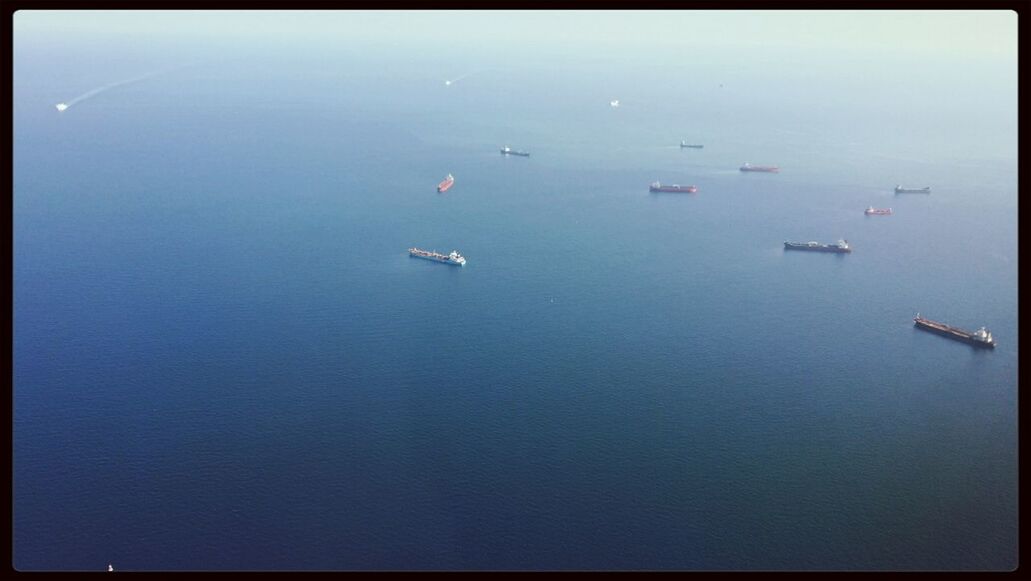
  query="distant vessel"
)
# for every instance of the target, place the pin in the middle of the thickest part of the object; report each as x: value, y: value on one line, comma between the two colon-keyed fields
x: 979, y: 338
x: 765, y: 168
x: 871, y: 211
x: 453, y: 258
x: 685, y: 144
x: 902, y: 190
x: 841, y: 247
x: 109, y: 567
x: 509, y: 151
x: 614, y: 103
x: 657, y: 187
x: 61, y: 106
x: 446, y: 184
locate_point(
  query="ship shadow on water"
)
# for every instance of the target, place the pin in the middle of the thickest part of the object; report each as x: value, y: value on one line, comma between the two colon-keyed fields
x: 978, y: 355
x: 781, y: 250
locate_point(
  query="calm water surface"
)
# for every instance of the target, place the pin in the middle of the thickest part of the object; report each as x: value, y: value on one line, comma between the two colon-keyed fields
x: 225, y: 359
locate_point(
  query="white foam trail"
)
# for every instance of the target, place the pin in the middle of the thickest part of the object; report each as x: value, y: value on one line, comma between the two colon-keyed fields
x: 465, y: 76
x: 98, y: 90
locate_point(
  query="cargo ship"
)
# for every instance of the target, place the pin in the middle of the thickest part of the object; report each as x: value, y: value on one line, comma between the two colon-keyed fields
x: 979, y: 338
x: 454, y: 258
x: 840, y: 247
x: 902, y: 190
x: 686, y: 144
x: 446, y: 184
x: 509, y: 151
x: 871, y: 211
x: 657, y: 187
x: 763, y: 168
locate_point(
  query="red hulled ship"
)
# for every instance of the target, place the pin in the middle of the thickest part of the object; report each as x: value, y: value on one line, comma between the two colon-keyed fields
x: 446, y: 184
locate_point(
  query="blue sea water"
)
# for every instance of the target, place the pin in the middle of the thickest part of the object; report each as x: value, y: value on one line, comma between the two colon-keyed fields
x: 225, y: 359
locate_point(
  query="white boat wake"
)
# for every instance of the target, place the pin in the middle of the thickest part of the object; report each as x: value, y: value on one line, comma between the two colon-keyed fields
x: 450, y: 82
x: 94, y: 92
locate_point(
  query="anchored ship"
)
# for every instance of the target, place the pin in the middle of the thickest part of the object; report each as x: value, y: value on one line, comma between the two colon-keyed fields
x: 765, y: 168
x: 509, y: 151
x: 446, y: 184
x: 979, y: 338
x: 902, y: 190
x: 840, y: 247
x: 685, y: 144
x: 657, y: 187
x: 871, y: 211
x: 454, y: 258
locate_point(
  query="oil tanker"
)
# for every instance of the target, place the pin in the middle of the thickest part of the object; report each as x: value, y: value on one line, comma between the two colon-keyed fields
x: 509, y: 151
x: 762, y: 168
x: 902, y: 190
x: 979, y: 338
x: 686, y: 144
x: 453, y: 258
x: 446, y: 184
x: 871, y: 211
x: 841, y: 247
x: 657, y: 187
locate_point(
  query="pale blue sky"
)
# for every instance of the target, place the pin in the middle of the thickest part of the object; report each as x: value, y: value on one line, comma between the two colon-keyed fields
x: 959, y: 33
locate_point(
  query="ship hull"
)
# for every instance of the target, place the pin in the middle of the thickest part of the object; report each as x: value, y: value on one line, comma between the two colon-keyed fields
x: 807, y: 248
x: 692, y: 146
x: 761, y: 169
x: 673, y: 190
x: 953, y: 333
x: 444, y: 260
x: 516, y: 153
x: 444, y: 187
x: 908, y: 191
